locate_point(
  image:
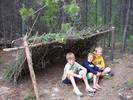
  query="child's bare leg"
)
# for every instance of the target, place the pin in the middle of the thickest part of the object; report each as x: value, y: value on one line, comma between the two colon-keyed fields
x: 106, y: 70
x: 95, y: 82
x: 98, y: 75
x: 75, y: 88
x: 88, y: 88
x: 71, y: 77
x: 90, y: 75
x: 73, y: 82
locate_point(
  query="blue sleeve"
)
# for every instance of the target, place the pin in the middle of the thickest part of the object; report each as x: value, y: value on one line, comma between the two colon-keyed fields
x: 89, y: 69
x: 97, y: 69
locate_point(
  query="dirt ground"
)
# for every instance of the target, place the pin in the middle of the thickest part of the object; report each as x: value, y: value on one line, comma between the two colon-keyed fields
x: 51, y: 88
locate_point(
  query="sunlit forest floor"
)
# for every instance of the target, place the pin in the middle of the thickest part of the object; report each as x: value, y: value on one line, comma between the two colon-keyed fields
x: 51, y: 88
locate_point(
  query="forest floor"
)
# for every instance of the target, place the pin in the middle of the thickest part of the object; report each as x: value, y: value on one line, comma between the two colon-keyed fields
x: 51, y: 88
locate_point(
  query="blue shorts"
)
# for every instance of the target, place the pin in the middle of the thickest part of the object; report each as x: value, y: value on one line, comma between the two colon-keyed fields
x: 67, y: 81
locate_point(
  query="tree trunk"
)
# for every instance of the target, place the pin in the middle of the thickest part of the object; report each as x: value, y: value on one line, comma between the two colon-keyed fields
x: 109, y: 19
x: 84, y: 12
x: 96, y: 12
x: 125, y: 27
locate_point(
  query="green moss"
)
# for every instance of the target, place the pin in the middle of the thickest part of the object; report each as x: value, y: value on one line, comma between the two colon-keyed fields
x: 130, y: 82
x: 28, y: 97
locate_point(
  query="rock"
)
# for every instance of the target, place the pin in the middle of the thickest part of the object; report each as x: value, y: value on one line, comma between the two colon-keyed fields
x: 55, y: 89
x: 125, y: 96
x: 130, y: 65
x: 4, y: 90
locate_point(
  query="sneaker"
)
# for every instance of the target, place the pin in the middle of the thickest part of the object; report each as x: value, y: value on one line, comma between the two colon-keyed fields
x: 91, y: 94
x: 90, y: 90
x: 107, y: 76
x: 77, y: 92
x: 111, y: 74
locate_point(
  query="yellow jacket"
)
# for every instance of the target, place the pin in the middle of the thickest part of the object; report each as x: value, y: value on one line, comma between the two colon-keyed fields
x: 99, y: 62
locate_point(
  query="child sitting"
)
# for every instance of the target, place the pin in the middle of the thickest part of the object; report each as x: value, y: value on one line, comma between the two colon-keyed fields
x: 99, y: 62
x: 93, y: 71
x: 71, y: 74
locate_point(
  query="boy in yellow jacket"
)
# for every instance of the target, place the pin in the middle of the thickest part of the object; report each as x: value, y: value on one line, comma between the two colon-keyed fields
x: 99, y: 61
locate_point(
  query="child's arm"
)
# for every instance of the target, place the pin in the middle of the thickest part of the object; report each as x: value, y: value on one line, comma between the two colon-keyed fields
x: 71, y: 73
x: 82, y: 68
x: 91, y: 69
x: 102, y: 64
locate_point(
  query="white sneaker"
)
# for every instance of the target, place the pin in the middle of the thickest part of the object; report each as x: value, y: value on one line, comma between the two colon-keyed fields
x: 77, y: 92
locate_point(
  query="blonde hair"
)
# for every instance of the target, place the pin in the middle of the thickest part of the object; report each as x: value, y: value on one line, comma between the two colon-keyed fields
x: 98, y: 48
x: 70, y: 55
x: 90, y: 54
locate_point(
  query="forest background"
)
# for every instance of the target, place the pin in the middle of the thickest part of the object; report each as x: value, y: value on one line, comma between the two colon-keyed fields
x: 64, y: 16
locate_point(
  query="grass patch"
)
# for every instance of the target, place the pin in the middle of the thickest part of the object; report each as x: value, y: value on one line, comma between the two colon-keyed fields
x: 28, y: 97
x: 130, y: 83
x: 13, y: 69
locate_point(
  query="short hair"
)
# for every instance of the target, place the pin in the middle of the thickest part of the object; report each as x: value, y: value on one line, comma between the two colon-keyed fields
x: 90, y: 54
x: 70, y: 55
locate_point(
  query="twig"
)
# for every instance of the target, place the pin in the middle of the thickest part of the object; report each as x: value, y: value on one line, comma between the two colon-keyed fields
x: 39, y: 9
x: 33, y: 24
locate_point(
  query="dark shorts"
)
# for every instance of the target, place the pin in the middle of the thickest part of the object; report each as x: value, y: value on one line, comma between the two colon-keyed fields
x: 96, y: 69
x: 101, y: 70
x: 67, y: 81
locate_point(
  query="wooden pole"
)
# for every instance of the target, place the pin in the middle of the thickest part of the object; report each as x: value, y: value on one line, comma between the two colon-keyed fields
x: 112, y: 43
x: 30, y: 64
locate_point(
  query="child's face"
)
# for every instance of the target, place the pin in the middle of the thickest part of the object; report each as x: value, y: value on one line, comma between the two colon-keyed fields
x: 90, y: 58
x: 99, y: 52
x: 71, y: 61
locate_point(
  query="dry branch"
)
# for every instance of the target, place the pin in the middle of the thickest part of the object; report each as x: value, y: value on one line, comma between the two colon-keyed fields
x: 38, y: 44
x: 30, y: 64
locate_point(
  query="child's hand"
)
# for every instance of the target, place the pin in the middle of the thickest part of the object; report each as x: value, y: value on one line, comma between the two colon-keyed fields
x: 81, y: 74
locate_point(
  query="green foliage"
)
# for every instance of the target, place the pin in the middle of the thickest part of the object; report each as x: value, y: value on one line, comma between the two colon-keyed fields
x: 14, y: 68
x: 130, y: 38
x: 93, y: 1
x: 61, y: 37
x: 28, y: 97
x: 49, y: 16
x: 72, y: 10
x: 65, y: 27
x: 8, y: 74
x: 26, y: 13
x: 107, y: 77
x: 52, y: 9
x: 48, y: 38
x: 130, y: 82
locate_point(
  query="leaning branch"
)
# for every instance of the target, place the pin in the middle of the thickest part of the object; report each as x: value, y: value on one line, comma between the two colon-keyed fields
x: 19, y: 48
x: 30, y: 65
